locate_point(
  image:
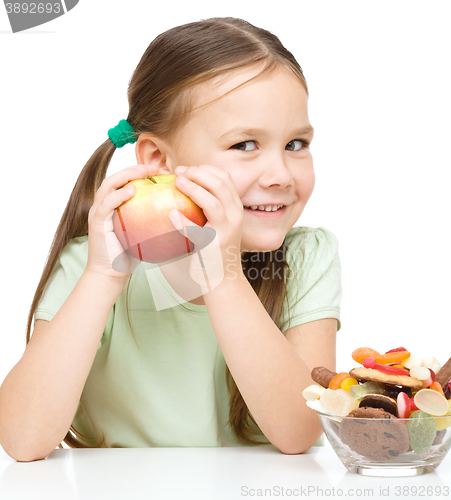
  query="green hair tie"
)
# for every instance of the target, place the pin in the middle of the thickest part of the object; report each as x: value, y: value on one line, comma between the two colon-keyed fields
x: 122, y: 134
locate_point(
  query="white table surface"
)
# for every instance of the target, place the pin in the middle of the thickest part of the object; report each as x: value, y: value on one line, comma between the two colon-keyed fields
x: 202, y: 473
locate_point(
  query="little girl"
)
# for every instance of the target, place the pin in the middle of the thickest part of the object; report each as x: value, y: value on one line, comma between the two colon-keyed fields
x: 223, y: 105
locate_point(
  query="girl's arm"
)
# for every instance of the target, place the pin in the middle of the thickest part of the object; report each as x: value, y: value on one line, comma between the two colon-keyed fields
x: 269, y: 370
x: 40, y: 395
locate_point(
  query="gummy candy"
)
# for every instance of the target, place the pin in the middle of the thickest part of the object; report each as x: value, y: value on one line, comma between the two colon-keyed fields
x: 430, y: 380
x: 432, y: 363
x: 369, y: 362
x: 431, y: 402
x: 422, y: 431
x: 348, y: 383
x: 392, y: 370
x: 337, y: 380
x: 313, y: 392
x: 363, y: 352
x: 397, y: 350
x: 413, y: 361
x: 338, y: 402
x: 392, y: 357
x: 420, y: 372
x: 404, y: 406
x: 435, y: 386
x: 445, y: 421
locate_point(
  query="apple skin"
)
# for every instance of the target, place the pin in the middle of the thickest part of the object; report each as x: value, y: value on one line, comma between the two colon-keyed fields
x: 142, y: 223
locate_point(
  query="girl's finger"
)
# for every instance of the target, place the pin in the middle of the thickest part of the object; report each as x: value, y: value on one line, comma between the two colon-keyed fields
x: 218, y: 172
x: 120, y: 178
x: 217, y: 188
x: 105, y: 209
x: 213, y: 207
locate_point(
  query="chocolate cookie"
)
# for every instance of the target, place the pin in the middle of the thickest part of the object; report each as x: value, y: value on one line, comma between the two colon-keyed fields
x: 383, y: 439
x: 380, y: 401
x: 371, y: 374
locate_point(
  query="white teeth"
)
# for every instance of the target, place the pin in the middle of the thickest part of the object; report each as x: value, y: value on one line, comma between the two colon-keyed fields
x: 269, y: 208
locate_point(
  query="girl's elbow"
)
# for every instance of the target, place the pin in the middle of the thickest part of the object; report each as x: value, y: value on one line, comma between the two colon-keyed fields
x: 298, y: 446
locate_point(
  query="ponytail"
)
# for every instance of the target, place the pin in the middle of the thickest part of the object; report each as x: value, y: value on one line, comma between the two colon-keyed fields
x: 74, y: 221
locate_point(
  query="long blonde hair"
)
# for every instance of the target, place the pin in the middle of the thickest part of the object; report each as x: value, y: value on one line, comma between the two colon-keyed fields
x: 158, y: 96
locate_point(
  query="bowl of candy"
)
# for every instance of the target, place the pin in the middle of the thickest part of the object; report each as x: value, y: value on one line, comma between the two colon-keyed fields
x: 388, y: 417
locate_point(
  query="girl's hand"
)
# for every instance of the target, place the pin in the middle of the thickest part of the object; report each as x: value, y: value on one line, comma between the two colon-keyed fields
x: 104, y: 248
x: 213, y: 190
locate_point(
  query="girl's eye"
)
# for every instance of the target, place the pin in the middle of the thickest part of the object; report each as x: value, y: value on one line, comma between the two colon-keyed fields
x: 244, y: 146
x: 296, y: 145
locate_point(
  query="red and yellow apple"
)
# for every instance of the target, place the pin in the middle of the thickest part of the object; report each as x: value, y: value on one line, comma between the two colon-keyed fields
x: 142, y: 223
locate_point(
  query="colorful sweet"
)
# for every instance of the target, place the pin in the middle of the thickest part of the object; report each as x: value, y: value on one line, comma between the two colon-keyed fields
x: 431, y: 362
x: 386, y: 388
x: 335, y: 383
x: 394, y: 356
x: 363, y: 352
x: 403, y: 405
x: 422, y: 431
x: 338, y: 402
x: 435, y: 386
x: 445, y: 421
x: 431, y: 402
x: 322, y: 376
x: 313, y: 392
x: 420, y: 372
x: 348, y: 383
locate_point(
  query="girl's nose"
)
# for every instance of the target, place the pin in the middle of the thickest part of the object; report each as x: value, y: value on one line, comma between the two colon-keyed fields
x: 276, y: 173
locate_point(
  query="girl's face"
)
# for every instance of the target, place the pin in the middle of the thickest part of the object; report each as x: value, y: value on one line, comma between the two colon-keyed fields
x: 260, y: 134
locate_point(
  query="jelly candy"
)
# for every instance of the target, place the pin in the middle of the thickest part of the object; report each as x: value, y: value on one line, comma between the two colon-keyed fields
x: 413, y: 361
x: 432, y: 363
x: 348, y: 383
x: 392, y: 370
x: 363, y: 352
x: 338, y: 402
x: 403, y: 402
x: 422, y: 431
x: 313, y: 392
x: 431, y: 402
x: 430, y: 380
x: 445, y: 421
x: 337, y: 380
x: 413, y: 406
x: 435, y: 386
x: 397, y: 350
x: 392, y: 357
x: 369, y: 362
x: 420, y: 372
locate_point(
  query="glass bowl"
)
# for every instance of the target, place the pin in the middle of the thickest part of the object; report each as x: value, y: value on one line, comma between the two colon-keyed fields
x: 383, y: 447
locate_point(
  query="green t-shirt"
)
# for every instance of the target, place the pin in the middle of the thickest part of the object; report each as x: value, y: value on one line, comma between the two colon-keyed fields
x: 168, y: 389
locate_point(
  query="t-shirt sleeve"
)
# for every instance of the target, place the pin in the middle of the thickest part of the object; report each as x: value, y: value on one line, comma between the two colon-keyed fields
x: 67, y: 272
x: 314, y: 277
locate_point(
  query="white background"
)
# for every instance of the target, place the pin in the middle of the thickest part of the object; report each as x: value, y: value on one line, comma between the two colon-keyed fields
x: 379, y: 81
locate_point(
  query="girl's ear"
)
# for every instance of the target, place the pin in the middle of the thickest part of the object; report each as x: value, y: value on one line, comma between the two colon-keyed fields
x: 151, y: 150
